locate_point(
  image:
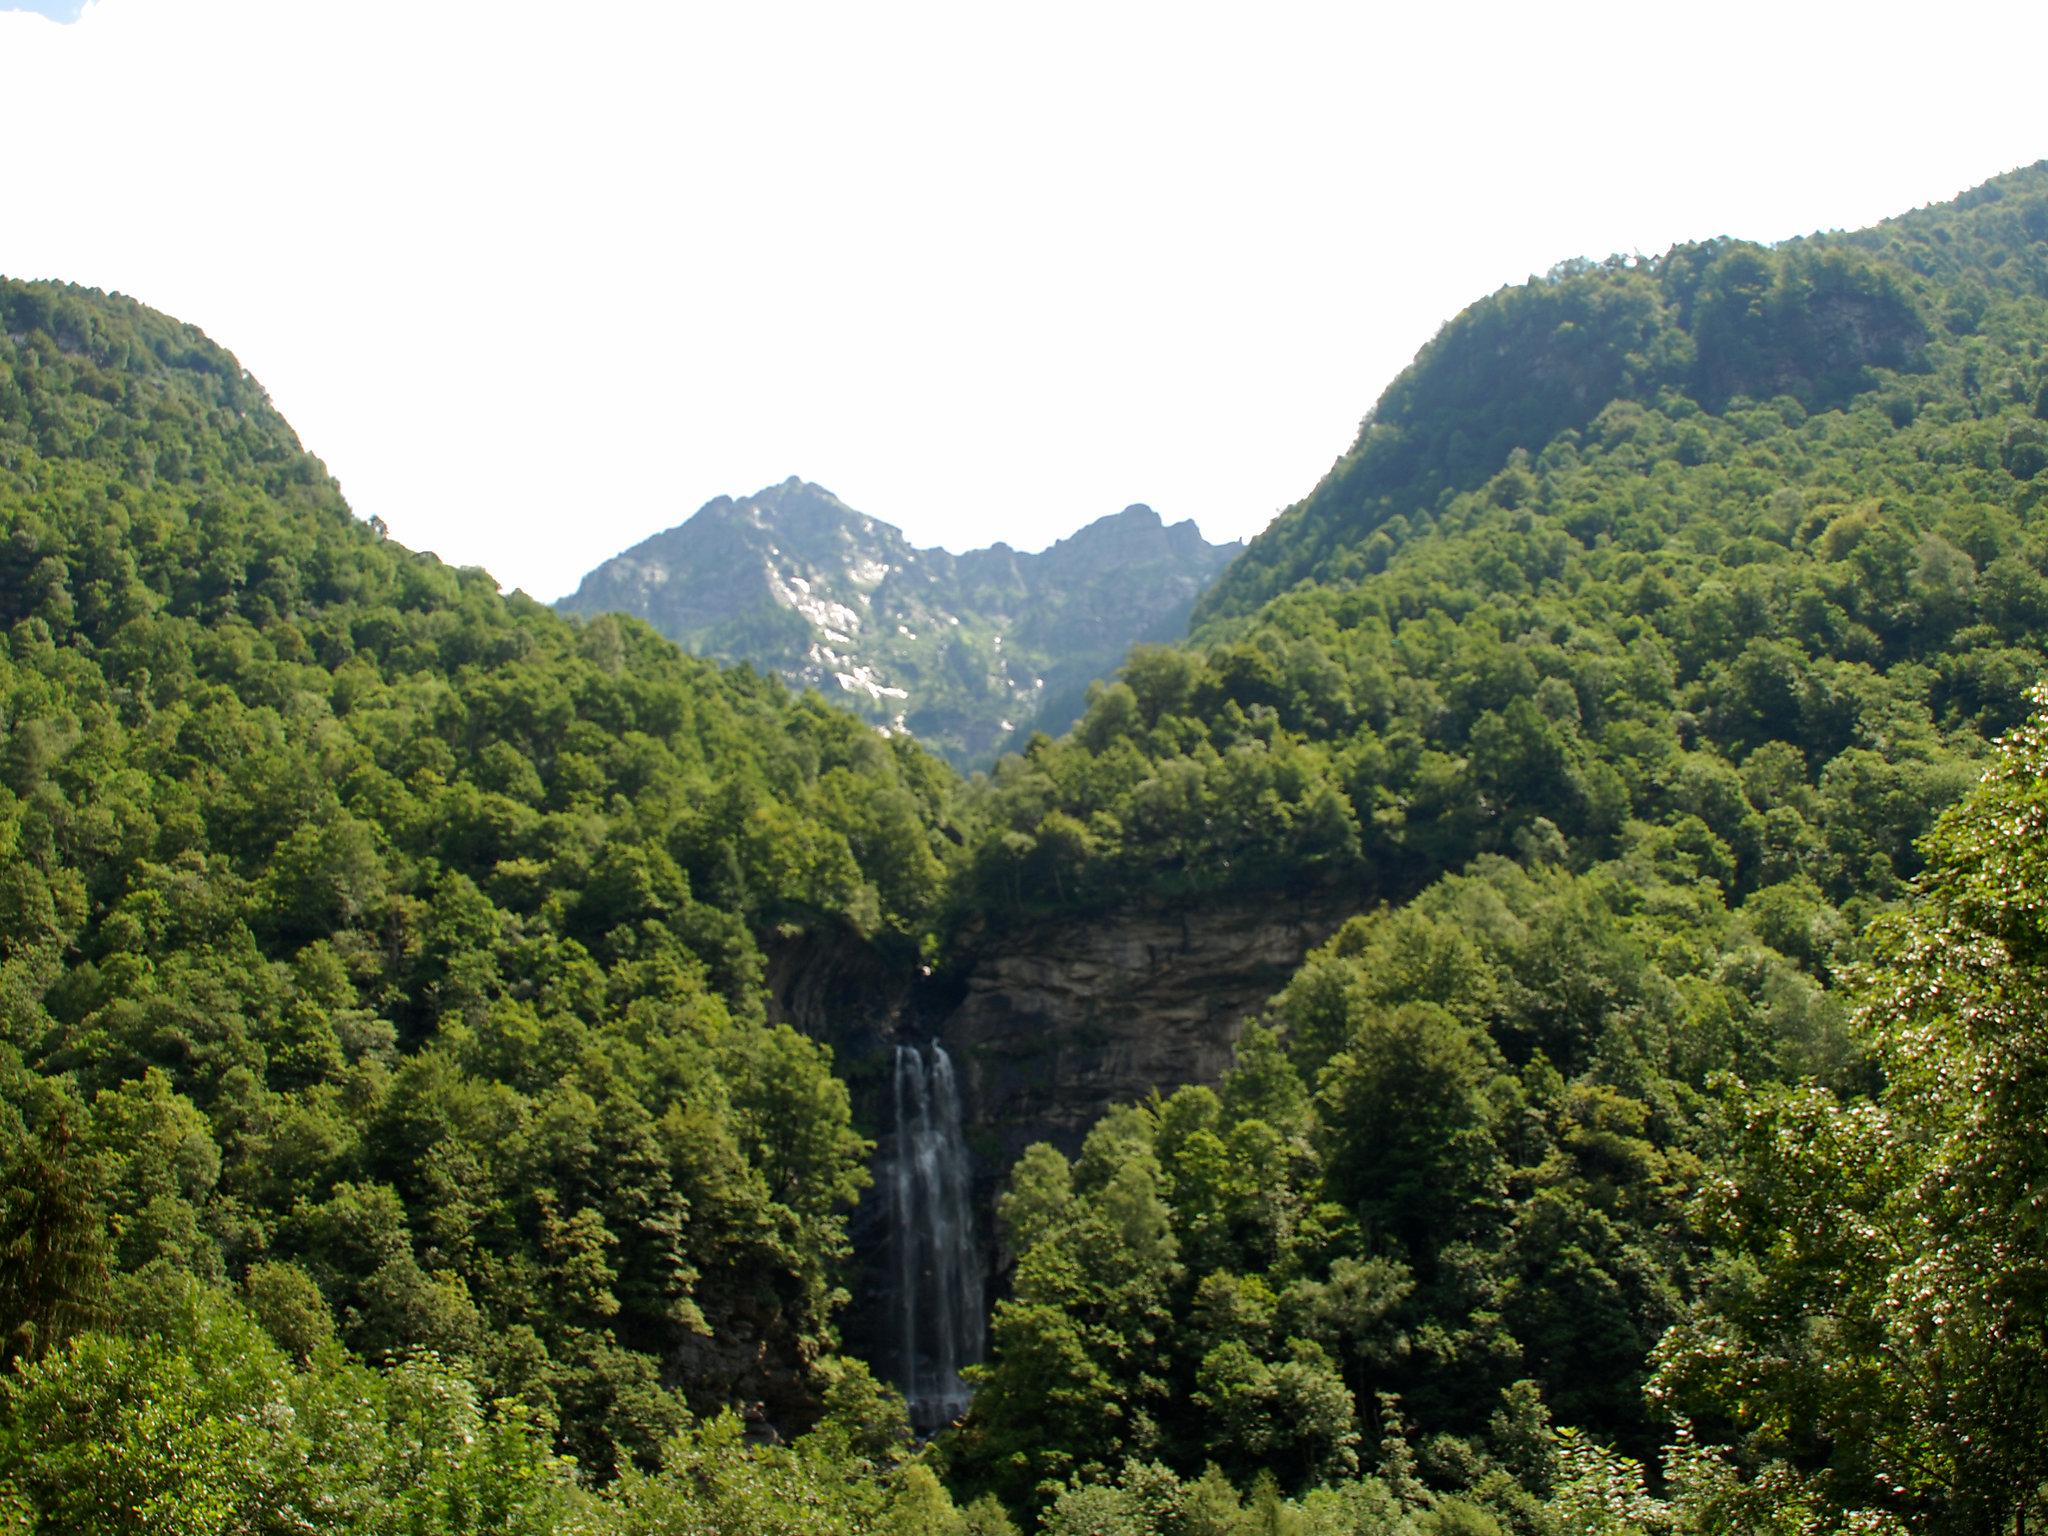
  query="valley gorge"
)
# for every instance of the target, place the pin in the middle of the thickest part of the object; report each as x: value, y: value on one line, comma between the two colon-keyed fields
x: 1513, y: 1009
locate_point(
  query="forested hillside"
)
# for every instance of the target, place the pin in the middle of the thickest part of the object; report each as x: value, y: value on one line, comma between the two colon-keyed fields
x: 1616, y: 675
x: 393, y: 1135
x: 379, y: 962
x: 1779, y: 629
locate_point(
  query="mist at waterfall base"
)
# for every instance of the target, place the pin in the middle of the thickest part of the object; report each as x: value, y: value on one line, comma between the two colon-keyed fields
x: 936, y: 1323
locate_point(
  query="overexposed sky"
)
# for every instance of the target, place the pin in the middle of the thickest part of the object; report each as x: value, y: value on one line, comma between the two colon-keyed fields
x: 537, y: 281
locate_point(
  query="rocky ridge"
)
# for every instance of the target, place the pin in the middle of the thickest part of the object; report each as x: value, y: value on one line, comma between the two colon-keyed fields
x: 970, y: 653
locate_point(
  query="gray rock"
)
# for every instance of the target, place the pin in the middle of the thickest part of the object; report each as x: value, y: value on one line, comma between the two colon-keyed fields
x: 970, y: 653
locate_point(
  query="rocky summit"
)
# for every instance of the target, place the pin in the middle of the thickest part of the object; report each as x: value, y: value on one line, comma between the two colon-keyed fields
x: 970, y: 653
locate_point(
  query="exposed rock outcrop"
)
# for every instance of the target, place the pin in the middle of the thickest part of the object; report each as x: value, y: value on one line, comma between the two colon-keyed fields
x: 1053, y: 1021
x: 1061, y: 1020
x: 971, y: 652
x: 1051, y: 1024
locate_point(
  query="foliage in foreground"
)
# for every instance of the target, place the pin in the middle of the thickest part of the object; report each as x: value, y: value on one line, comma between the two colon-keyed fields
x: 193, y: 1419
x: 1876, y: 1308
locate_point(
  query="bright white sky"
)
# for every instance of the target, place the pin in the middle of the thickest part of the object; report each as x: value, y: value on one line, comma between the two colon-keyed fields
x: 537, y: 281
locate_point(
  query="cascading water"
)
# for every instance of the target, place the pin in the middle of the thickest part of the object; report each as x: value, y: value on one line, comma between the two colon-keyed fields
x: 938, y: 1301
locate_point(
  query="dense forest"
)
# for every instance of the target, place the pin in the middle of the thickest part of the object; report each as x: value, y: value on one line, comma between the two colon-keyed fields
x: 395, y: 1134
x: 379, y: 962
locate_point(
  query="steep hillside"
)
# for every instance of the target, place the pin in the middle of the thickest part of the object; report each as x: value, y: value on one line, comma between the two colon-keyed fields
x: 1615, y: 679
x: 380, y: 951
x: 1817, y: 321
x: 1781, y: 629
x: 970, y: 653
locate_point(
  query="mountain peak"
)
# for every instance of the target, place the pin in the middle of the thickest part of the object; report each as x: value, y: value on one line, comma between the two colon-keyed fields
x: 967, y: 651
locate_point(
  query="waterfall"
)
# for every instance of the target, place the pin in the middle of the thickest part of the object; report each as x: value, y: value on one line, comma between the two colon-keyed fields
x: 938, y: 1301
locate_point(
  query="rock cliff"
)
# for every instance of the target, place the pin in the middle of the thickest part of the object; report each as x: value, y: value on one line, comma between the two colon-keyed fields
x: 1063, y: 1019
x: 1052, y: 1023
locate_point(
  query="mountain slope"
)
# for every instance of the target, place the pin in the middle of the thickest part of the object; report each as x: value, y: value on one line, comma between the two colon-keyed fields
x: 968, y: 652
x: 384, y: 947
x: 1815, y: 320
x: 382, y: 1026
x: 1495, y: 620
x: 1615, y: 680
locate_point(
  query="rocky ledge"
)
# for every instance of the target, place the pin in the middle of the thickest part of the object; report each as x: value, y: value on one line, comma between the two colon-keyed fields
x: 1062, y: 1020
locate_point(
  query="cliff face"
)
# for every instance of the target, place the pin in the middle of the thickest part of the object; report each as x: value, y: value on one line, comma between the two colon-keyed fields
x: 1062, y: 1020
x: 1050, y: 1023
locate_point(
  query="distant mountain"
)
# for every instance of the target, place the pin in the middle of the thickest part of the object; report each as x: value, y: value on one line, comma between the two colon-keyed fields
x: 968, y: 652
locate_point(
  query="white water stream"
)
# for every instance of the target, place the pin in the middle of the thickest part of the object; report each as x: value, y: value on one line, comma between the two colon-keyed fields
x: 938, y: 1301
